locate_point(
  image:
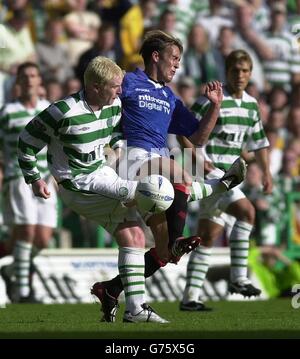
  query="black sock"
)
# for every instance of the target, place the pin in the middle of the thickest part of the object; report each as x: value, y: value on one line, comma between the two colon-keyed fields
x: 176, y: 214
x: 114, y: 286
x: 152, y: 264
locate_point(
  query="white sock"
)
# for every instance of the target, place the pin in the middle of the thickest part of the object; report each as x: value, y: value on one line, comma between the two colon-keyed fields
x: 204, y: 189
x: 22, y: 253
x: 239, y: 248
x: 196, y: 272
x: 132, y: 272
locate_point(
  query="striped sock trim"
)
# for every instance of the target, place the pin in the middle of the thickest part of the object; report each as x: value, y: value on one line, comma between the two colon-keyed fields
x: 132, y: 270
x: 239, y: 249
x: 196, y: 272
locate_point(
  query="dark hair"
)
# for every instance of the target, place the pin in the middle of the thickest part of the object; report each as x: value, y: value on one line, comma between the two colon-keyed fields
x: 166, y: 13
x: 25, y: 65
x: 237, y: 56
x: 106, y: 26
x: 157, y: 40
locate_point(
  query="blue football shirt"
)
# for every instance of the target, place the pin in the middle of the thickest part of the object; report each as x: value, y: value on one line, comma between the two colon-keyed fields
x: 151, y: 111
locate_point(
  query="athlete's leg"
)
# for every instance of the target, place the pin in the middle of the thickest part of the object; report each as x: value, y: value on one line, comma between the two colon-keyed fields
x: 23, y: 236
x: 198, y: 264
x: 244, y: 213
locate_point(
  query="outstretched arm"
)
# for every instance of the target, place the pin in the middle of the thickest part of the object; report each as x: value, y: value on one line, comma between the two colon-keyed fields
x: 214, y: 92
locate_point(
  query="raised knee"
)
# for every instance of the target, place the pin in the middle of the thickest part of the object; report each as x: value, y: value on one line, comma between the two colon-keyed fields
x: 252, y: 214
x: 130, y: 236
x: 207, y: 241
x: 247, y: 214
x: 25, y: 233
x: 138, y: 239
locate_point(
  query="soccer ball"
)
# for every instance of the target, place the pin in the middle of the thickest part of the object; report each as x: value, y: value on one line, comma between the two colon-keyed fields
x: 154, y: 194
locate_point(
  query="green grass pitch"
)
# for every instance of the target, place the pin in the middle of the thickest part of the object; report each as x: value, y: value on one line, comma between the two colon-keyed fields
x: 248, y: 319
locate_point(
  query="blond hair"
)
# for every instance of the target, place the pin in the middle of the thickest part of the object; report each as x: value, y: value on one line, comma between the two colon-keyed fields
x: 101, y: 70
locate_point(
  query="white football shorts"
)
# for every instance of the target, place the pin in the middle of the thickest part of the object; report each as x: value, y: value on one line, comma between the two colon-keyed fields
x: 102, y: 198
x: 21, y: 206
x: 214, y: 206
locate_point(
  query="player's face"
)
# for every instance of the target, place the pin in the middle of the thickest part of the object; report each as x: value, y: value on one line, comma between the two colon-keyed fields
x: 110, y: 91
x: 168, y: 63
x: 29, y: 81
x: 238, y: 76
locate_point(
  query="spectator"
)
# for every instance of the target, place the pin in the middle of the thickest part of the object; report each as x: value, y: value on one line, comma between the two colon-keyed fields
x: 247, y: 38
x: 218, y: 17
x: 225, y: 43
x: 293, y: 123
x: 111, y: 11
x: 132, y: 28
x: 72, y: 85
x: 186, y: 90
x: 277, y: 121
x: 54, y: 91
x: 200, y: 62
x: 290, y: 165
x: 278, y: 98
x: 275, y: 149
x: 294, y: 145
x: 105, y: 45
x: 295, y: 95
x: 52, y: 56
x: 261, y: 18
x: 283, y: 67
x: 18, y: 45
x: 167, y: 22
x: 276, y: 272
x: 81, y: 27
x: 186, y: 13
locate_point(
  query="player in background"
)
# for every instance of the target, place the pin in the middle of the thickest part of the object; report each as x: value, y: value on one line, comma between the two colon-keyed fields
x: 150, y: 112
x: 31, y: 219
x: 238, y: 128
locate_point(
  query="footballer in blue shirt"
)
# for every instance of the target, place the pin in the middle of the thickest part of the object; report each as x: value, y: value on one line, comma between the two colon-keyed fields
x: 150, y: 110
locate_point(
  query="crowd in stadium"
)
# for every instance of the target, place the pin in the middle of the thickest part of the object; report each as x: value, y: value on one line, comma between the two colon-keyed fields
x: 63, y: 36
